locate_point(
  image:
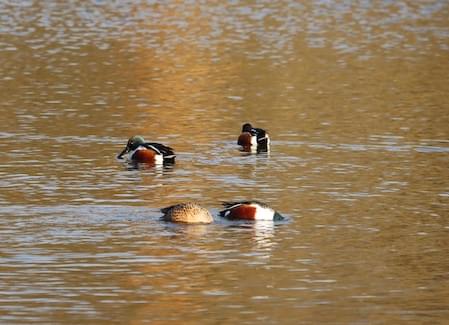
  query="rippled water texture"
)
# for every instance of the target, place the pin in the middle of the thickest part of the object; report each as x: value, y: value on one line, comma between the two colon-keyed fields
x: 354, y: 96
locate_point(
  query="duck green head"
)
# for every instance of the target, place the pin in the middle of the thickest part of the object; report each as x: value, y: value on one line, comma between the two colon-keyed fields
x: 133, y: 143
x: 277, y: 216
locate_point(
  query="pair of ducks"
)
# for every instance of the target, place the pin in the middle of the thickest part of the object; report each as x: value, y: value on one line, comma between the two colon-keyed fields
x: 191, y: 212
x: 251, y: 139
x: 137, y: 151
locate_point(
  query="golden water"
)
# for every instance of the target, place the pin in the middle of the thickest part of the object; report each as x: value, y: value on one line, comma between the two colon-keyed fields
x: 355, y: 97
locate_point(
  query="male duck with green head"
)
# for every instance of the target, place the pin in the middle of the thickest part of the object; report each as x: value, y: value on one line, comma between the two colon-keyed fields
x: 140, y: 152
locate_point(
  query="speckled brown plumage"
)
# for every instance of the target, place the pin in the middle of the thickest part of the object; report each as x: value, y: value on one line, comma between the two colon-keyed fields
x: 188, y: 212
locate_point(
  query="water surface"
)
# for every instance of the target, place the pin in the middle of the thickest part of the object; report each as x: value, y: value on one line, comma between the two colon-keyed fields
x: 354, y: 96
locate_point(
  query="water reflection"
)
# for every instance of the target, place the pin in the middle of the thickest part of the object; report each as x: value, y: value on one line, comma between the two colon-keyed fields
x: 354, y: 96
x: 262, y: 233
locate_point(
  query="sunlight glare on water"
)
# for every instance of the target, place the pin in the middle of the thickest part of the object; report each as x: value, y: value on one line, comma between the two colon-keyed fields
x: 354, y: 96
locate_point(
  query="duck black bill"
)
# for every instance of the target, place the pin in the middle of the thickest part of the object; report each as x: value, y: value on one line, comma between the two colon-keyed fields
x: 120, y: 155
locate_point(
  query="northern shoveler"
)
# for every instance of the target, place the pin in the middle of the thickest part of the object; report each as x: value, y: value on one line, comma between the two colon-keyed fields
x: 188, y: 212
x: 249, y: 210
x: 254, y: 139
x: 138, y: 151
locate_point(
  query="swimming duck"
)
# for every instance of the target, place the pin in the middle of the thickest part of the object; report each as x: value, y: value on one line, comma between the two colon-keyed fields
x: 188, y: 212
x: 138, y: 151
x: 249, y: 210
x: 254, y: 139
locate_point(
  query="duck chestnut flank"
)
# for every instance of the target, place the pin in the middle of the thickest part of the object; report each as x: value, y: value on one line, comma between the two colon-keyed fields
x: 253, y: 139
x: 249, y: 210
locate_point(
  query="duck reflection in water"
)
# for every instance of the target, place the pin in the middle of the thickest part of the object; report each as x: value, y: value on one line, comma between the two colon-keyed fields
x: 264, y: 225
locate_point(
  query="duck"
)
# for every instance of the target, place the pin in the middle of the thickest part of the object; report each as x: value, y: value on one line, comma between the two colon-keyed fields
x: 138, y: 151
x: 253, y: 139
x: 249, y: 210
x: 187, y: 212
